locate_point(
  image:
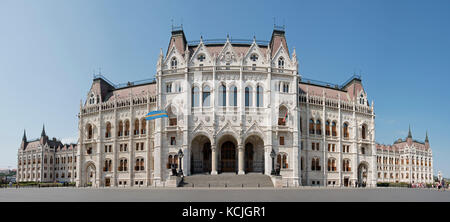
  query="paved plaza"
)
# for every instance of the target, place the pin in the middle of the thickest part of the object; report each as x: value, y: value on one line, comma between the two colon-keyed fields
x: 222, y: 194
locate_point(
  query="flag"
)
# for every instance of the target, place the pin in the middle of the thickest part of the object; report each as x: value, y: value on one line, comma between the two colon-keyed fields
x: 156, y: 114
x: 284, y: 119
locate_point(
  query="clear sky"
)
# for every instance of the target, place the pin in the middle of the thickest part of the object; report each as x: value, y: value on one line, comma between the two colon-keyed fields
x: 50, y: 49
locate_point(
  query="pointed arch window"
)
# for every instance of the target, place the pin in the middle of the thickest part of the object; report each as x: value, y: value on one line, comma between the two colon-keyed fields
x: 259, y: 96
x: 195, y: 97
x: 363, y: 131
x: 248, y: 96
x: 222, y: 95
x: 345, y: 129
x: 233, y: 96
x: 311, y: 127
x: 173, y: 63
x: 333, y: 128
x: 281, y: 64
x: 206, y: 95
x: 327, y: 128
x: 318, y: 127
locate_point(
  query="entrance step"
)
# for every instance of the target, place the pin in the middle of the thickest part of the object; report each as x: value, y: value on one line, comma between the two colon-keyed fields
x: 227, y: 180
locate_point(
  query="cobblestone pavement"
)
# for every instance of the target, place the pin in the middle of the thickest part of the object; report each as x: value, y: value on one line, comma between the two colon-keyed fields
x: 222, y: 194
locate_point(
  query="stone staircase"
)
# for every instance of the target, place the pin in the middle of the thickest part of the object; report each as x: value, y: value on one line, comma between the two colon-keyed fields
x: 227, y: 180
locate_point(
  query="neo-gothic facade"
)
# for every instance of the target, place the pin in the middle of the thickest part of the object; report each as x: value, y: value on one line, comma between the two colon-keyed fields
x: 230, y: 103
x: 45, y: 160
x: 406, y: 161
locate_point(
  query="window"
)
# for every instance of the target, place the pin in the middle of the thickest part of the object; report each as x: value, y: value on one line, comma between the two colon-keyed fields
x: 311, y: 127
x: 168, y: 87
x: 127, y: 127
x: 108, y: 165
x: 281, y: 63
x: 233, y: 96
x: 90, y: 131
x: 254, y: 57
x: 143, y: 126
x: 363, y: 131
x: 123, y: 164
x: 120, y: 132
x: 172, y: 160
x: 282, y: 116
x: 195, y: 97
x: 327, y: 128
x: 173, y: 141
x: 315, y: 164
x: 136, y: 127
x: 281, y: 140
x: 315, y: 146
x: 222, y: 95
x: 363, y: 150
x: 108, y: 130
x: 201, y: 57
x: 333, y: 128
x: 89, y: 150
x: 318, y: 127
x: 346, y: 165
x: 259, y: 96
x: 173, y: 63
x: 206, y: 95
x: 331, y: 164
x: 248, y: 96
x: 346, y: 134
x: 139, y: 164
x: 282, y: 161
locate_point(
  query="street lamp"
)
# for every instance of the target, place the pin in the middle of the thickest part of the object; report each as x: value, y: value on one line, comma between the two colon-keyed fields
x: 272, y: 155
x: 180, y: 156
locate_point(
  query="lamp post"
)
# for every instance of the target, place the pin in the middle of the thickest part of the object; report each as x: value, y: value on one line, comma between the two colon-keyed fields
x: 272, y: 155
x: 180, y: 156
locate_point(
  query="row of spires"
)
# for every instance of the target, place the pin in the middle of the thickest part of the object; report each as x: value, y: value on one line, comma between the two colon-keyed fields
x: 43, y: 134
x: 410, y: 135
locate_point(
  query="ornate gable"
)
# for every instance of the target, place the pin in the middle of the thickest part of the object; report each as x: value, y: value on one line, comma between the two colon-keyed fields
x: 228, y: 55
x: 173, y: 53
x: 254, y: 51
x: 201, y: 53
x: 281, y: 52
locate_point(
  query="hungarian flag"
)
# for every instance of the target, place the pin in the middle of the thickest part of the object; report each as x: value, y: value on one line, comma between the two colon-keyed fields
x: 285, y: 116
x: 156, y: 114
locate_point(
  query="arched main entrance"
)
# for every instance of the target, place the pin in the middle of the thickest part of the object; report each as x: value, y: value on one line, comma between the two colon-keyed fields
x: 228, y: 157
x: 90, y: 175
x: 254, y: 154
x: 201, y: 155
x: 362, y: 174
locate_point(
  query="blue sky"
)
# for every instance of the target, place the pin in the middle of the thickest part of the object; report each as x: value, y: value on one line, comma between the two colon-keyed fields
x: 49, y: 49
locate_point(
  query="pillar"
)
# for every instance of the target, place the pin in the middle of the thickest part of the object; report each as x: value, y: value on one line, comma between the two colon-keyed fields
x: 213, y: 160
x: 241, y: 160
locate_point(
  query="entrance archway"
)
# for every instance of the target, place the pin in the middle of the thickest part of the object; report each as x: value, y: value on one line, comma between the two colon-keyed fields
x: 254, y: 154
x: 90, y: 175
x: 200, y: 155
x: 228, y: 157
x: 362, y: 174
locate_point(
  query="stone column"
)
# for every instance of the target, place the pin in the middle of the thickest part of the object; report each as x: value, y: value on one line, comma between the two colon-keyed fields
x: 241, y: 160
x: 213, y: 160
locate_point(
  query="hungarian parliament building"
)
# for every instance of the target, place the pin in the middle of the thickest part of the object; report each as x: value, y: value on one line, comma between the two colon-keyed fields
x: 233, y: 105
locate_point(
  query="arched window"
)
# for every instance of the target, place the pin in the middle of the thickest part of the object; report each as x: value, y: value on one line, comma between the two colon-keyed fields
x: 108, y: 130
x: 143, y: 126
x: 120, y: 129
x: 282, y: 161
x: 123, y: 164
x: 281, y: 63
x: 315, y: 164
x: 108, y: 165
x: 346, y: 165
x: 136, y: 127
x: 327, y: 128
x: 331, y: 164
x: 90, y: 131
x: 333, y: 128
x: 173, y: 63
x: 222, y: 95
x: 195, y: 97
x: 363, y: 131
x: 318, y: 127
x: 259, y: 96
x: 127, y: 127
x: 282, y: 116
x: 311, y: 126
x: 206, y: 95
x: 233, y: 96
x: 248, y: 96
x: 139, y: 164
x: 346, y: 133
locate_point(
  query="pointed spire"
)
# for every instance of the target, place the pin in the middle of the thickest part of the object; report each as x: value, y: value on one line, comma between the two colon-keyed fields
x: 228, y: 37
x: 254, y: 39
x: 426, y: 137
x: 24, y: 138
x: 409, y: 132
x: 201, y: 39
x: 43, y: 131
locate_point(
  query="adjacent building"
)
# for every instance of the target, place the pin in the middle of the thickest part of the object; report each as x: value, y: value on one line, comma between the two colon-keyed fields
x: 406, y: 161
x: 46, y: 160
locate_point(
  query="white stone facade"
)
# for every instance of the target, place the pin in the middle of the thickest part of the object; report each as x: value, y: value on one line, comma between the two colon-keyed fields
x: 230, y: 104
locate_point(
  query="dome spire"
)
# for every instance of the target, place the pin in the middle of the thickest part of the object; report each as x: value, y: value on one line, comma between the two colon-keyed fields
x: 43, y: 131
x: 409, y: 132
